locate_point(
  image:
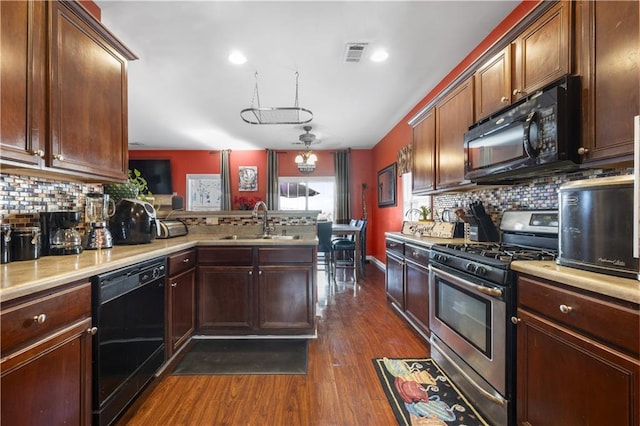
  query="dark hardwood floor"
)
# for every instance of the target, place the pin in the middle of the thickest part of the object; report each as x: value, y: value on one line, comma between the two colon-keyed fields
x: 340, y: 388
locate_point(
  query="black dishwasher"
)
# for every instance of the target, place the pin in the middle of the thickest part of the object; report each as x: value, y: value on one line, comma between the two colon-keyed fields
x: 128, y: 348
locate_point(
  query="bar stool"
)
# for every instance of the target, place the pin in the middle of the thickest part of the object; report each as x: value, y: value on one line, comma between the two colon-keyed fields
x: 343, y: 252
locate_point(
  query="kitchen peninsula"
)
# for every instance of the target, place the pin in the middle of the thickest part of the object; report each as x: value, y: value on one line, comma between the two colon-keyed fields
x: 46, y: 307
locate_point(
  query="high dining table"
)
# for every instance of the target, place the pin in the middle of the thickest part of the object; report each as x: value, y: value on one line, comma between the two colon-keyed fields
x: 340, y: 229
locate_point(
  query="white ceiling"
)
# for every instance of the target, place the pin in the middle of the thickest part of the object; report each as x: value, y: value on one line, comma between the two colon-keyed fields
x: 184, y: 94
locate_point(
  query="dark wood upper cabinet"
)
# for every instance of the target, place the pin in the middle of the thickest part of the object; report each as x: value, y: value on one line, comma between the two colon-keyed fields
x: 608, y: 51
x: 454, y: 115
x: 542, y: 53
x: 22, y: 99
x: 88, y: 102
x: 64, y: 97
x: 423, y: 154
x: 493, y: 84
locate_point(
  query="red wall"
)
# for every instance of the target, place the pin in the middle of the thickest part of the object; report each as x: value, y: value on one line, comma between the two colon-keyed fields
x: 364, y: 164
x: 385, y: 152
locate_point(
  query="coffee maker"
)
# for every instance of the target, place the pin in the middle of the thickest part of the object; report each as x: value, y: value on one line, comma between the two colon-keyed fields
x: 97, y: 210
x: 59, y: 236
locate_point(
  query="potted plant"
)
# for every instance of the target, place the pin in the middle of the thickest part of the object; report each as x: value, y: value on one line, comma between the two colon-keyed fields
x: 135, y: 187
x: 424, y: 214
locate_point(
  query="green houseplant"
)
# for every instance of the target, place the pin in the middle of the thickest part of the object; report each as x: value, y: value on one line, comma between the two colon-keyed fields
x: 135, y: 187
x: 424, y: 214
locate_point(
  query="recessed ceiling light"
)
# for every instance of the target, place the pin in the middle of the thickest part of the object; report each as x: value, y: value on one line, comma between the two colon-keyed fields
x: 379, y: 55
x: 237, y: 58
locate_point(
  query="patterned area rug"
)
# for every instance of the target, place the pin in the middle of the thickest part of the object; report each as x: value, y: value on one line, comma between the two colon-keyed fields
x: 421, y: 394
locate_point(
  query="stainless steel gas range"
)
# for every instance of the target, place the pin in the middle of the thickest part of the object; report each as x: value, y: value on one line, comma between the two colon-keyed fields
x: 472, y: 300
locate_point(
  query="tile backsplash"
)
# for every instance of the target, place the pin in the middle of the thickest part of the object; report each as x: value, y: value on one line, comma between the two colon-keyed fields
x: 23, y: 197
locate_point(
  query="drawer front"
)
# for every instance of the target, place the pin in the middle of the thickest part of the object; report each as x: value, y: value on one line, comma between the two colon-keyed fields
x: 280, y: 255
x: 608, y: 322
x: 394, y: 246
x: 419, y: 255
x: 227, y: 256
x: 182, y: 261
x: 26, y: 322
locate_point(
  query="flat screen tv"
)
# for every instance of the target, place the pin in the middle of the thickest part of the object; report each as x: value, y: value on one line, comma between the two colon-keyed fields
x: 157, y: 173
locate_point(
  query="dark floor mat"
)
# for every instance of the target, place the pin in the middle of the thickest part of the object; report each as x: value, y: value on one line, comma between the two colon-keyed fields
x: 245, y: 356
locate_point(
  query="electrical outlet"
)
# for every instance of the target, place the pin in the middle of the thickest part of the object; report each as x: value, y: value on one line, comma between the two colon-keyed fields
x: 212, y: 221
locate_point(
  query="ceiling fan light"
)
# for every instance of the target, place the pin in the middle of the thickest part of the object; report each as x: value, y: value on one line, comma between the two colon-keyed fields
x: 312, y: 159
x: 299, y: 159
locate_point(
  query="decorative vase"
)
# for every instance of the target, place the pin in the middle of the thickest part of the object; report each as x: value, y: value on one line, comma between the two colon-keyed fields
x: 119, y: 191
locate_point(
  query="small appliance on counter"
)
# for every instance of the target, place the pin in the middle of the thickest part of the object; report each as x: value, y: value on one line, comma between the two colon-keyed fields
x: 97, y: 211
x: 134, y: 222
x: 59, y: 236
x: 171, y: 228
x: 481, y: 227
x: 5, y: 242
x: 596, y: 226
x: 26, y: 243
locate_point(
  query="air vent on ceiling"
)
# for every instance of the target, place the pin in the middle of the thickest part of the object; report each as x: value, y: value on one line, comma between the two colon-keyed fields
x: 354, y: 52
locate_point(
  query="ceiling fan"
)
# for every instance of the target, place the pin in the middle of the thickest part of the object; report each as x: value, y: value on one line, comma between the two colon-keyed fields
x: 307, y: 138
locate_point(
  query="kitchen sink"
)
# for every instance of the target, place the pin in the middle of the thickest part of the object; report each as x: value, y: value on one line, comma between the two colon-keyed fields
x: 260, y: 237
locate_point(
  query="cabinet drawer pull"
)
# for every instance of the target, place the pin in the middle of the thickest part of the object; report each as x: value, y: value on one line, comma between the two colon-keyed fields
x: 59, y: 157
x: 504, y: 99
x: 185, y: 260
x: 517, y: 92
x: 583, y: 151
x: 515, y: 320
x: 40, y: 319
x: 92, y: 330
x: 565, y: 309
x: 174, y: 284
x: 38, y: 153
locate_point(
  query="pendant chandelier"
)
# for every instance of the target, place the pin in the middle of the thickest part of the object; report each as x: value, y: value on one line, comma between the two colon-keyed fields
x: 275, y: 115
x: 306, y: 161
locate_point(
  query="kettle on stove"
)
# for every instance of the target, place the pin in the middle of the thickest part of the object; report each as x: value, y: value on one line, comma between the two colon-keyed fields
x: 134, y: 222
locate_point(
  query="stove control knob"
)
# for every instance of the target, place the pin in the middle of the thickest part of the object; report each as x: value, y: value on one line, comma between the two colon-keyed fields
x: 441, y: 258
x: 471, y: 267
x: 481, y: 270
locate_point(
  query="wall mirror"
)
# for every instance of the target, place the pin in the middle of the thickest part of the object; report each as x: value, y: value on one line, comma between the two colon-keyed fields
x: 387, y: 186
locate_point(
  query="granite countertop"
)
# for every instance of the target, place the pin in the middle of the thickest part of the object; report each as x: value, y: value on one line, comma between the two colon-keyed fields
x: 22, y: 278
x: 616, y: 287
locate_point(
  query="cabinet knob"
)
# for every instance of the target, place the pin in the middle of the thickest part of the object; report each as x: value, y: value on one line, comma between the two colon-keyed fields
x: 59, y: 157
x: 92, y: 331
x: 565, y: 309
x: 38, y: 153
x: 504, y: 99
x: 515, y: 320
x: 40, y: 319
x: 583, y: 151
x: 185, y: 260
x: 174, y: 284
x: 517, y: 92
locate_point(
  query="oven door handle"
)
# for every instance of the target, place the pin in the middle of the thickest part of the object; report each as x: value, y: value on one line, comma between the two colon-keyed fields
x: 491, y: 397
x: 489, y: 291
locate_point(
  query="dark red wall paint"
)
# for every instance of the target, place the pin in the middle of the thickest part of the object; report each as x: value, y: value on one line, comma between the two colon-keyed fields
x: 364, y: 163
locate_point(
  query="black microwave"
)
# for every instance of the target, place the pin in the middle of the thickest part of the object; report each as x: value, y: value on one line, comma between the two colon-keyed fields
x: 539, y: 135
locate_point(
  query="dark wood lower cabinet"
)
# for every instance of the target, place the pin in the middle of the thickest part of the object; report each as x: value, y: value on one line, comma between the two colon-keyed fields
x: 256, y: 290
x: 417, y: 295
x: 182, y: 300
x: 46, y: 359
x: 225, y: 295
x: 577, y: 358
x: 407, y: 282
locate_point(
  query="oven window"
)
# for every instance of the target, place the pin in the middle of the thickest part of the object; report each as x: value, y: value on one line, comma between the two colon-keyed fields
x: 465, y: 313
x: 498, y: 148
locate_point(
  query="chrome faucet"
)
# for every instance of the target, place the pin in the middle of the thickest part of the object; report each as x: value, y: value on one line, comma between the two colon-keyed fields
x: 265, y: 220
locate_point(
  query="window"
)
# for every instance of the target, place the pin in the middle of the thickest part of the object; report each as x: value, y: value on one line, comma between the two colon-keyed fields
x: 410, y: 201
x: 308, y: 193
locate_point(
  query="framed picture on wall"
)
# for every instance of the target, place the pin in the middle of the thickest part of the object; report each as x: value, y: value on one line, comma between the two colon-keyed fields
x: 387, y: 186
x: 204, y: 192
x: 248, y: 178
